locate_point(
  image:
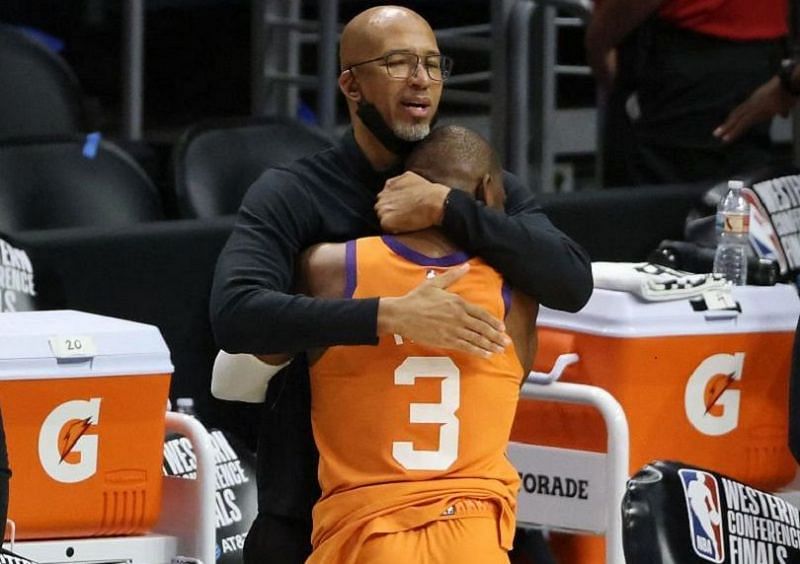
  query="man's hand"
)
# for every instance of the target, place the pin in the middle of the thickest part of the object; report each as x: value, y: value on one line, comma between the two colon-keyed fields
x: 767, y: 101
x: 604, y: 67
x: 431, y: 315
x: 409, y: 203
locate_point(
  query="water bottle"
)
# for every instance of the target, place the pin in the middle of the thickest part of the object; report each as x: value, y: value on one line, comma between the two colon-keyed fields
x: 185, y: 406
x: 733, y: 213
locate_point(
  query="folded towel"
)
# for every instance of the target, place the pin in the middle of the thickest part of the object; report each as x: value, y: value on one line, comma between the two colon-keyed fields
x: 654, y: 282
x: 241, y: 377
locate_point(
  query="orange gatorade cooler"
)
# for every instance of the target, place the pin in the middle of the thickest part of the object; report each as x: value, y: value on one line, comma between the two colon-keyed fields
x: 83, y: 397
x: 708, y: 388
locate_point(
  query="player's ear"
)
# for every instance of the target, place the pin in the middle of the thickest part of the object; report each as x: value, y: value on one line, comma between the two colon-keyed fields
x: 480, y: 190
x: 491, y: 192
x: 349, y: 86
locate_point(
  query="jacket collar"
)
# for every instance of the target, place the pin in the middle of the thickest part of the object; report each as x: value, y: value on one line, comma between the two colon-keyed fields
x: 358, y: 162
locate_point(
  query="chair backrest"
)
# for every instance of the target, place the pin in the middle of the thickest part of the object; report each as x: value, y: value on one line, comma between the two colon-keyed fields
x: 215, y: 162
x: 39, y: 93
x: 675, y: 512
x: 70, y: 182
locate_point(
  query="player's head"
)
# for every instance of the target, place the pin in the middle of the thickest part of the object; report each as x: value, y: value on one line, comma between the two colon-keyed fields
x: 460, y: 158
x: 391, y: 75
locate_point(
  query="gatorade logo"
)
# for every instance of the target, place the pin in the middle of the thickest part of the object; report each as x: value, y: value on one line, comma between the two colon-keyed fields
x: 67, y: 452
x: 712, y: 395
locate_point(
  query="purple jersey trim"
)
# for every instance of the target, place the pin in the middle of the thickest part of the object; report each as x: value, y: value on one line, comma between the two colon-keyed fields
x: 420, y: 259
x: 506, y: 298
x: 350, y: 269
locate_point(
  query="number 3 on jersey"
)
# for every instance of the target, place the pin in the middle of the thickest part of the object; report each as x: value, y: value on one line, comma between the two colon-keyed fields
x: 443, y: 413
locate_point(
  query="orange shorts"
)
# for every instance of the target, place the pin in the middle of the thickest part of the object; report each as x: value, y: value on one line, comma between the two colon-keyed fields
x: 467, y: 533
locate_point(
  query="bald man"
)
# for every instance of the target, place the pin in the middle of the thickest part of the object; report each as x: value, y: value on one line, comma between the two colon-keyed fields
x: 392, y: 74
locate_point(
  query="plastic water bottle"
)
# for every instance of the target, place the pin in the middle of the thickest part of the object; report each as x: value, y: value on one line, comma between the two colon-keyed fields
x: 733, y: 213
x: 185, y: 406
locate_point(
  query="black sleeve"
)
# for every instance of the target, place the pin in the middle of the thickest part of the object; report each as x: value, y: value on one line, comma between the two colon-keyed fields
x: 523, y: 245
x: 5, y: 474
x: 251, y: 309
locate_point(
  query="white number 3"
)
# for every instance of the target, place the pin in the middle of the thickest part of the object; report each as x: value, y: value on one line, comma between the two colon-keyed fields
x: 443, y: 412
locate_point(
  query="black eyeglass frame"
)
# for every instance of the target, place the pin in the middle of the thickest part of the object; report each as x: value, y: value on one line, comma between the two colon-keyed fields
x: 446, y: 65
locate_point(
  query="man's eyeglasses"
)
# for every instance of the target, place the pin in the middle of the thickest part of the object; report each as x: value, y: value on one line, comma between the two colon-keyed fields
x: 401, y: 64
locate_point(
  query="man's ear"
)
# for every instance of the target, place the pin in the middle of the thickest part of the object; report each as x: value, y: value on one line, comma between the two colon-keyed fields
x: 480, y: 190
x: 491, y: 192
x: 349, y: 86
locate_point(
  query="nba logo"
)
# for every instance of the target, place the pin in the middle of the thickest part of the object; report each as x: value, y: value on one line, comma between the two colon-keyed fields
x: 701, y: 493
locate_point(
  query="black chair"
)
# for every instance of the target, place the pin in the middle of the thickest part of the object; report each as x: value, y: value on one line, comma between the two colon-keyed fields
x: 70, y: 182
x: 39, y: 93
x: 623, y: 224
x: 216, y: 161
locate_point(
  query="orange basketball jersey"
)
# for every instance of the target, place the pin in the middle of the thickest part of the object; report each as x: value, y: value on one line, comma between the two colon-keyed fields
x: 404, y: 430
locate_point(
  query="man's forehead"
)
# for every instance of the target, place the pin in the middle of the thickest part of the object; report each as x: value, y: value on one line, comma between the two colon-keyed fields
x: 386, y: 15
x: 404, y: 34
x: 379, y: 30
x: 419, y: 43
x: 391, y: 49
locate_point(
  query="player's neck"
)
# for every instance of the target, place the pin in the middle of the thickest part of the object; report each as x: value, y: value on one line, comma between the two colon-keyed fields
x: 430, y: 242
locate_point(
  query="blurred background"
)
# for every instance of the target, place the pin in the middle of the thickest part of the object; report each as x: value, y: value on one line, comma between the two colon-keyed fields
x: 201, y: 58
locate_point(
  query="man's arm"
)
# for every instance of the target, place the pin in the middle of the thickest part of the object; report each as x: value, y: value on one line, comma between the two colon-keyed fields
x: 251, y: 308
x: 767, y: 101
x: 245, y: 377
x: 611, y: 22
x: 521, y: 323
x: 322, y: 270
x: 253, y: 311
x: 522, y: 244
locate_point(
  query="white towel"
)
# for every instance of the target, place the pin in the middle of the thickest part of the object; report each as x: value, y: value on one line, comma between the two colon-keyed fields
x: 241, y: 377
x: 654, y: 282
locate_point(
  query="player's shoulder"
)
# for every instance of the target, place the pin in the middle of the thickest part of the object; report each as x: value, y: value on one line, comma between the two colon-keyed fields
x: 323, y: 267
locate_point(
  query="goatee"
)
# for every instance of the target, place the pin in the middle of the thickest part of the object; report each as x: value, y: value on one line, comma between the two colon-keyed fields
x: 389, y: 138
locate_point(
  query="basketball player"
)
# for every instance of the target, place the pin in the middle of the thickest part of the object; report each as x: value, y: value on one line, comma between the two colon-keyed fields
x: 412, y: 439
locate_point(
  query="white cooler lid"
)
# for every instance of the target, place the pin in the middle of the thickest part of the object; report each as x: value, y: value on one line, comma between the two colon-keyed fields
x: 68, y: 343
x: 621, y: 314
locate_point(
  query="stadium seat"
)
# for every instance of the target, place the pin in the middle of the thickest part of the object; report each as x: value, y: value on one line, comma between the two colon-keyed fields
x: 677, y: 513
x: 216, y: 161
x: 39, y: 94
x: 72, y: 181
